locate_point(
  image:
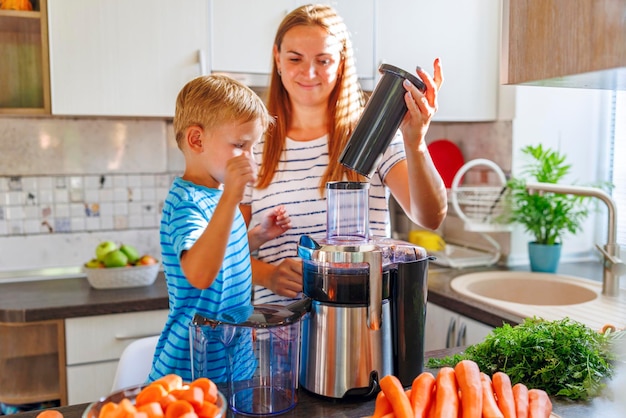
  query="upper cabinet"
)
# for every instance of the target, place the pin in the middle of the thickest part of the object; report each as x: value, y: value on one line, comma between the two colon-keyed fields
x: 24, y: 79
x: 464, y: 34
x: 565, y: 43
x: 242, y: 36
x: 124, y: 58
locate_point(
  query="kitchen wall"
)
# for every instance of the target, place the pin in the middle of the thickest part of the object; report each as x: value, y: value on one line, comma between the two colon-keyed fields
x: 68, y: 183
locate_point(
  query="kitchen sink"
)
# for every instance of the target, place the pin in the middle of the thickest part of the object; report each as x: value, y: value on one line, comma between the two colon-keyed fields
x: 525, y: 288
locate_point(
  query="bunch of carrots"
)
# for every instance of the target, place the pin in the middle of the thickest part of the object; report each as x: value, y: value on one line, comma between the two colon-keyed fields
x: 167, y: 397
x: 460, y: 392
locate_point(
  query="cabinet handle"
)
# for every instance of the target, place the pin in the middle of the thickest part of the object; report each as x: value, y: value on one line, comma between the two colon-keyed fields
x: 460, y: 338
x: 134, y: 336
x: 450, y: 335
x: 202, y: 61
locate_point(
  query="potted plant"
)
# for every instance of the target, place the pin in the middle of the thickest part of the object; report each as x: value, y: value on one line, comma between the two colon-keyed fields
x: 546, y: 216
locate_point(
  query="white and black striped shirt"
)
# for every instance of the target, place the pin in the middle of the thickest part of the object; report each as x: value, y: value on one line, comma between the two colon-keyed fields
x: 296, y: 186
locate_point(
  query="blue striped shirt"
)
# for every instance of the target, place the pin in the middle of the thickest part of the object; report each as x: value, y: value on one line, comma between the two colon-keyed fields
x: 186, y: 213
x: 296, y: 186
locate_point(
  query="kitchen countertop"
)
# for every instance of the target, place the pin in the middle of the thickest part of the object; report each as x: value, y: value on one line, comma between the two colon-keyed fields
x: 23, y: 302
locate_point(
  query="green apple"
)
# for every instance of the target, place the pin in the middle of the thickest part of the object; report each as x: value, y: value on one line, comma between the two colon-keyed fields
x: 104, y: 248
x: 130, y: 252
x: 115, y: 258
x: 94, y: 263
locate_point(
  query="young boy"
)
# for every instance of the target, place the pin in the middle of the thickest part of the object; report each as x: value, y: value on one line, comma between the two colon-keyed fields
x: 205, y: 247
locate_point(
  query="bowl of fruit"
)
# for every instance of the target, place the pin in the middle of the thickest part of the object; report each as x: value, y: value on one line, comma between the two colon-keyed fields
x: 165, y: 397
x: 118, y: 266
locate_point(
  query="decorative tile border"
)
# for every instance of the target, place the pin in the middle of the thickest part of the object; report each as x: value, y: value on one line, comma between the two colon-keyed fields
x: 31, y: 205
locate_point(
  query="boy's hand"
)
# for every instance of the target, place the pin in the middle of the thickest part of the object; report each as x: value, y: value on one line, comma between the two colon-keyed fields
x: 240, y: 170
x: 274, y: 223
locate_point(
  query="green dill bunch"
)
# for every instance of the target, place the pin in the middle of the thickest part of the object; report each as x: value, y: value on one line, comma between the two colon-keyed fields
x: 564, y: 357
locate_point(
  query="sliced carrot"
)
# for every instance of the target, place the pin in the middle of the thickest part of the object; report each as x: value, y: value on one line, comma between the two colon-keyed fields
x: 394, y: 392
x: 447, y: 397
x: 151, y: 393
x: 152, y: 409
x: 468, y: 378
x: 504, y: 394
x: 422, y: 394
x: 178, y: 408
x: 109, y: 410
x: 539, y: 404
x: 520, y: 394
x: 194, y: 395
x: 137, y: 414
x: 170, y: 382
x: 208, y: 387
x: 50, y: 413
x: 382, y: 406
x: 490, y: 406
x: 167, y: 400
x: 208, y: 410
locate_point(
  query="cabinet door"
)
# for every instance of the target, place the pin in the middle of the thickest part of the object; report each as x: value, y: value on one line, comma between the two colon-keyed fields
x: 470, y: 332
x: 441, y: 327
x: 242, y: 35
x: 90, y: 382
x: 123, y: 58
x: 464, y: 34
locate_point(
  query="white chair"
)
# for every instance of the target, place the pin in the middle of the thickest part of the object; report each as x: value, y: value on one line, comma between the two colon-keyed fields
x: 135, y: 363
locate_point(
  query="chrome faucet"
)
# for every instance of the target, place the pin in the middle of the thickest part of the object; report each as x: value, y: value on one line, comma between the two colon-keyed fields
x: 614, y: 267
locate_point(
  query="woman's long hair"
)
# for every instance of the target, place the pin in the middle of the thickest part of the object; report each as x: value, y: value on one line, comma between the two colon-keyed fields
x: 344, y: 104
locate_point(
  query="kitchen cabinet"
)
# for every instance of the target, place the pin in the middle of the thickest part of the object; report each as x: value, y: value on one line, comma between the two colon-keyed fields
x: 25, y: 83
x: 464, y: 34
x: 95, y: 344
x: 32, y: 362
x: 124, y: 58
x: 447, y: 329
x: 242, y: 36
x: 564, y: 43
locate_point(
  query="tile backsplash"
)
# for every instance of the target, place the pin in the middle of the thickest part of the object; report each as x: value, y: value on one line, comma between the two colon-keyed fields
x: 68, y: 183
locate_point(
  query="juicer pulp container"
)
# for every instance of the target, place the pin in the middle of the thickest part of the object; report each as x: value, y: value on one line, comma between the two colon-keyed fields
x: 262, y: 358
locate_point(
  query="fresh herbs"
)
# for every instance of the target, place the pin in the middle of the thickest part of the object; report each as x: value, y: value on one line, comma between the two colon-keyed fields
x: 564, y: 358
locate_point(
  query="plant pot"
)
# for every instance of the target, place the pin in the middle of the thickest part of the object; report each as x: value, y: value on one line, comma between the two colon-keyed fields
x: 544, y: 258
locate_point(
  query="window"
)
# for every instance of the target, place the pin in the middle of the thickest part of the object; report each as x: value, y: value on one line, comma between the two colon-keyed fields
x: 618, y: 161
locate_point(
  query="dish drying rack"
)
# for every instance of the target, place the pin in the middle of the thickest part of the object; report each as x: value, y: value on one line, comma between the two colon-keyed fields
x: 482, y: 209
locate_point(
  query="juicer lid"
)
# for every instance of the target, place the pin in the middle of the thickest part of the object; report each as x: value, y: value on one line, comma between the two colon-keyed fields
x: 259, y: 316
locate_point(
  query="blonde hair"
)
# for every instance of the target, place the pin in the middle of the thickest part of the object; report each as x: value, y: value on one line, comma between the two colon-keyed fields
x: 344, y: 104
x: 213, y: 100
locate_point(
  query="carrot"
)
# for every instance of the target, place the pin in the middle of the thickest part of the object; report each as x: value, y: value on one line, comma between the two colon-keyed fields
x: 152, y: 409
x: 447, y: 397
x: 170, y: 382
x: 208, y: 410
x: 382, y: 406
x: 504, y: 393
x: 109, y: 410
x: 539, y: 404
x: 194, y: 395
x: 468, y: 378
x: 490, y: 406
x: 520, y: 394
x: 178, y: 408
x: 151, y: 393
x: 50, y: 413
x: 394, y: 392
x: 422, y: 394
x: 208, y: 387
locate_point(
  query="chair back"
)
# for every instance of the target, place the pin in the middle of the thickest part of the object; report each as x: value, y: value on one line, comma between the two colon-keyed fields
x: 135, y: 363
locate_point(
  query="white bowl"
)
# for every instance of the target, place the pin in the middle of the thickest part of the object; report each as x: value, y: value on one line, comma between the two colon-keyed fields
x: 122, y: 277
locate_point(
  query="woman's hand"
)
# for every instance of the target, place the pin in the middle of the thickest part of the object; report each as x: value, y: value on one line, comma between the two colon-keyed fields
x: 421, y: 106
x: 284, y: 279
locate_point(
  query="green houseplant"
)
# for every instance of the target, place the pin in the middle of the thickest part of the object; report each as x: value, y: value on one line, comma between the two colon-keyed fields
x: 546, y: 216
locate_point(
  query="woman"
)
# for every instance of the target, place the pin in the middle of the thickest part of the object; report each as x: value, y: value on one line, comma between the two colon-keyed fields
x: 316, y: 98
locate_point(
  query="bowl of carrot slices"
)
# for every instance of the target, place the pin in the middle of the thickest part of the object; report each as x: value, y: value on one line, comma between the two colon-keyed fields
x: 167, y: 397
